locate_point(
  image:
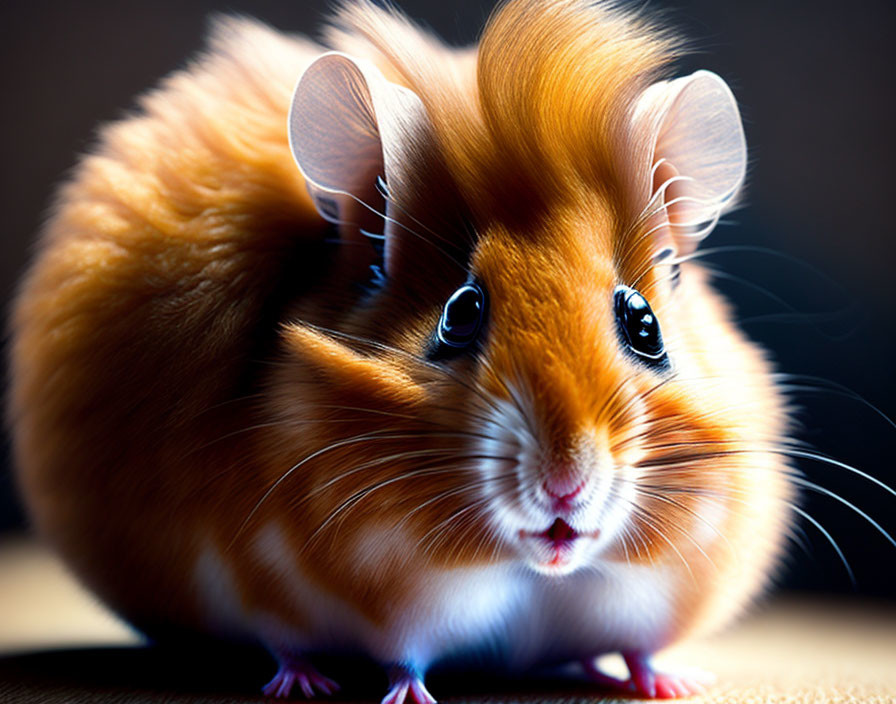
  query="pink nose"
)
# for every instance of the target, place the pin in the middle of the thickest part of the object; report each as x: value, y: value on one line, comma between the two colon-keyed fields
x: 563, y: 489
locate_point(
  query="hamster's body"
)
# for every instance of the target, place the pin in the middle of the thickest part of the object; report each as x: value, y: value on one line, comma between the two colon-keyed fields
x: 220, y: 429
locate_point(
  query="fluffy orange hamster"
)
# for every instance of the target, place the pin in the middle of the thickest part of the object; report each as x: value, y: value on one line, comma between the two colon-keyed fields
x: 455, y: 384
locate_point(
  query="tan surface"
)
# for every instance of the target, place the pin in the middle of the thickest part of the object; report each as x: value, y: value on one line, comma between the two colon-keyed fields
x: 791, y: 652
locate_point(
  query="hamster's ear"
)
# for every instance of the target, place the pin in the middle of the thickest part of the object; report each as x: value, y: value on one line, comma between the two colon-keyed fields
x: 698, y: 157
x: 348, y: 127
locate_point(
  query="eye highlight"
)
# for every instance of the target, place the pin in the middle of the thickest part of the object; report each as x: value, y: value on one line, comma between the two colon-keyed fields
x: 638, y: 328
x: 460, y: 322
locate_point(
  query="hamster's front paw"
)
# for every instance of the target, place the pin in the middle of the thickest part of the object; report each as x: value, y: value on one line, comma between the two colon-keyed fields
x: 406, y: 686
x: 647, y: 682
x: 295, y: 671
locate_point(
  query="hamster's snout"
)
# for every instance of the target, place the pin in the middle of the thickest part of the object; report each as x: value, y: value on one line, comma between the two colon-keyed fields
x: 558, y: 499
x: 568, y: 503
x: 564, y: 491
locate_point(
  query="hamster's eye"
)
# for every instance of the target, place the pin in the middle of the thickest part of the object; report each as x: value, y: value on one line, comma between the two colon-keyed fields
x: 460, y: 322
x: 639, y: 328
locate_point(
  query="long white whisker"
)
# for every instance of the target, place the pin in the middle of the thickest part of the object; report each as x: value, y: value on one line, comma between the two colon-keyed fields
x: 827, y: 492
x: 830, y: 539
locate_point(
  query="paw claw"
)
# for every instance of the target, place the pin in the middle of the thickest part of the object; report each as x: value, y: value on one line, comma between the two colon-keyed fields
x: 685, y: 689
x: 406, y: 688
x: 306, y: 687
x: 646, y: 682
x: 294, y: 672
x: 419, y: 694
x: 670, y: 688
x: 396, y: 695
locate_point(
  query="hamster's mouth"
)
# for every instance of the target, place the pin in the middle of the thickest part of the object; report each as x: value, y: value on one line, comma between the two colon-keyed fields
x: 555, y: 547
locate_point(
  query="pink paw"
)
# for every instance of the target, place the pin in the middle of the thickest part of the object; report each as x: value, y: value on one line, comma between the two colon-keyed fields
x: 303, y: 674
x: 406, y: 687
x: 646, y: 682
x: 669, y: 686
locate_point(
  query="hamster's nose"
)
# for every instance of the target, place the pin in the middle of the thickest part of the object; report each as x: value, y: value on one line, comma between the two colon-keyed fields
x: 563, y: 490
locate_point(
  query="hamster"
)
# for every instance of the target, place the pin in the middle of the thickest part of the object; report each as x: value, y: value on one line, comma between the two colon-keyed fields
x: 410, y: 357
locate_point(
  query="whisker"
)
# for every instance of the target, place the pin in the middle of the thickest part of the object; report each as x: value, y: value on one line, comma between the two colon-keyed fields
x: 221, y: 404
x: 830, y: 539
x: 731, y: 496
x: 443, y: 525
x: 611, y: 399
x: 453, y: 492
x: 691, y: 512
x: 753, y: 286
x: 725, y: 249
x: 407, y: 229
x: 384, y: 192
x: 330, y: 421
x: 644, y: 516
x: 798, y: 535
x: 329, y: 448
x: 366, y: 491
x: 796, y: 453
x: 460, y: 411
x: 833, y: 386
x: 827, y: 492
x: 411, y: 454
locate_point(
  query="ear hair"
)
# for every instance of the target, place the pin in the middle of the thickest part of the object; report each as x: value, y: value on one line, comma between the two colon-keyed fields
x: 698, y: 156
x: 347, y: 126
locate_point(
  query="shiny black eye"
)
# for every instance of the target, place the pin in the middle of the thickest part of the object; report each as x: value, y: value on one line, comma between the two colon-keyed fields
x: 460, y: 322
x: 639, y: 328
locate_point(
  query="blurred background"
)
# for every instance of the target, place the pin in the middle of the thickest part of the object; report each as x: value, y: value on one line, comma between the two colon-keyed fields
x: 813, y: 277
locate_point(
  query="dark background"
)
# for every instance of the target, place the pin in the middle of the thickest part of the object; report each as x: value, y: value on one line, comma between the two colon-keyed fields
x: 815, y: 84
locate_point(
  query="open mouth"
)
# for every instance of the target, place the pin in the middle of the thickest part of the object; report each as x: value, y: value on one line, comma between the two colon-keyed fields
x: 559, y: 539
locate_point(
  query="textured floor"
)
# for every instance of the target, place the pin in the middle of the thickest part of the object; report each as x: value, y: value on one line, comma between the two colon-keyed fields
x: 57, y: 645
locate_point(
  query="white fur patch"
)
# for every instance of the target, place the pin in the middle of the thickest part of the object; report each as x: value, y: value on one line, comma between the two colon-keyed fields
x: 620, y: 607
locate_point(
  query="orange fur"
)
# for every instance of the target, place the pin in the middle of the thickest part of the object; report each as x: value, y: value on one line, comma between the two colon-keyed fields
x: 185, y: 336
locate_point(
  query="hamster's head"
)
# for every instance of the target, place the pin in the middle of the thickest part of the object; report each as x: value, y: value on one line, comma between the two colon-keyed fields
x: 533, y: 373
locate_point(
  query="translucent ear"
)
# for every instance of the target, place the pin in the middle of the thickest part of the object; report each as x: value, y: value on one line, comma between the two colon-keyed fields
x: 698, y: 158
x: 348, y: 126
